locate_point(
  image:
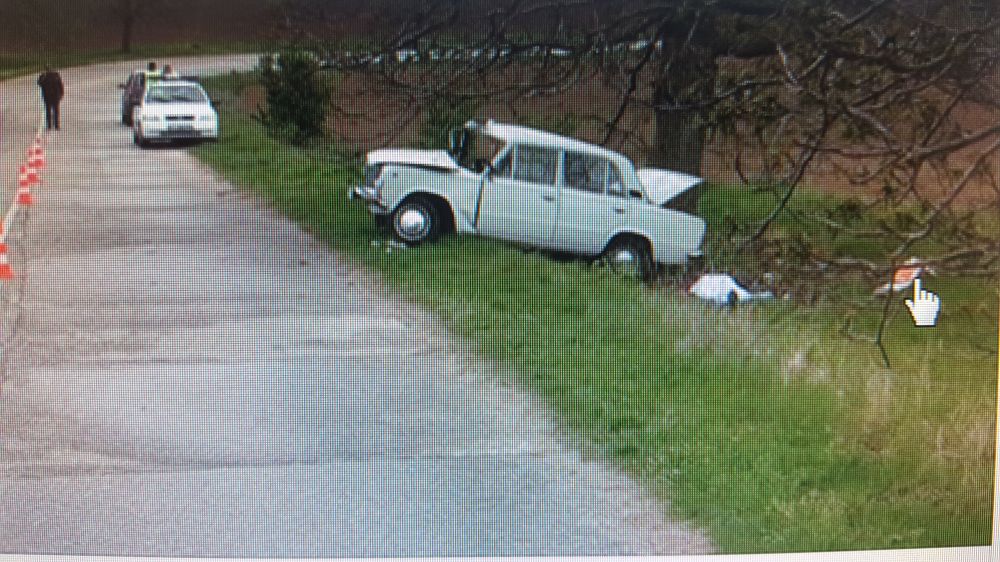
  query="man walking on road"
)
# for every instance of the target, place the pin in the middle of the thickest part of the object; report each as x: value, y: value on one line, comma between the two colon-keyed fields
x: 52, y: 93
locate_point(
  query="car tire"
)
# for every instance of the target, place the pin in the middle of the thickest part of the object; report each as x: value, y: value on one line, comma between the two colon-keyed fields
x: 139, y: 141
x: 415, y: 221
x: 629, y: 257
x: 383, y: 223
x: 127, y: 116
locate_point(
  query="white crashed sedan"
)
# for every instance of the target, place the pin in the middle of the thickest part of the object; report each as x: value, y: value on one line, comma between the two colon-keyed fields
x: 537, y: 189
x: 174, y: 110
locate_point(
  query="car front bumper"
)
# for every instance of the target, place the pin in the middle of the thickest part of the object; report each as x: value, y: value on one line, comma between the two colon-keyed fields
x: 369, y: 195
x: 154, y: 131
x: 696, y: 261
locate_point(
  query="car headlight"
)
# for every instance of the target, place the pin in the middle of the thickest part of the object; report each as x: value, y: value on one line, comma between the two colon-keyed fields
x: 373, y: 173
x: 370, y: 192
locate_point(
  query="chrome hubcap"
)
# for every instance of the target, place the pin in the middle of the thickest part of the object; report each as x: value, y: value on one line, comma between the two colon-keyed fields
x: 413, y: 223
x: 625, y: 262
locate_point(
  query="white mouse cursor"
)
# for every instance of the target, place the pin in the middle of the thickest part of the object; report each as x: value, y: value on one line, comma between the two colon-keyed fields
x: 924, y: 307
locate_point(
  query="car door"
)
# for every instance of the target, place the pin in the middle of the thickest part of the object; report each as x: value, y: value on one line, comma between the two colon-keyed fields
x: 138, y: 88
x: 625, y: 207
x: 132, y: 95
x: 126, y: 96
x: 587, y: 213
x: 520, y: 199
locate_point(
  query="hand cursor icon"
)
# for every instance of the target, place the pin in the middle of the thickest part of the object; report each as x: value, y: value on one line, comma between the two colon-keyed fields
x: 924, y: 307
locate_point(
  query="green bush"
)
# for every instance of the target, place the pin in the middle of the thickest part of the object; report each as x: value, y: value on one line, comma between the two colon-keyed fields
x: 298, y: 96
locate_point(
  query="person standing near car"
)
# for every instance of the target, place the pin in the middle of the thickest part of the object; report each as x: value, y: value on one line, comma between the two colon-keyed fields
x: 51, y: 85
x: 153, y: 74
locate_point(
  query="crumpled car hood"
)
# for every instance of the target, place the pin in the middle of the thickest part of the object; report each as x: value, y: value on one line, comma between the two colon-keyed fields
x: 430, y: 158
x: 664, y: 185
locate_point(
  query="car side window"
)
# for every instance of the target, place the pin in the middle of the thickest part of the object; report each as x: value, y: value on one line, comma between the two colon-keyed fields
x: 536, y: 164
x: 616, y: 187
x: 585, y: 172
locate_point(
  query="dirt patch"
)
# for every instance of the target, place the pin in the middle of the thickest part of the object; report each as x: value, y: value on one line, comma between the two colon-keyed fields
x: 369, y: 114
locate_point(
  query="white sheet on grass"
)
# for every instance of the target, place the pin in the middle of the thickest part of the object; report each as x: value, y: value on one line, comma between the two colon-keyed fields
x: 718, y: 288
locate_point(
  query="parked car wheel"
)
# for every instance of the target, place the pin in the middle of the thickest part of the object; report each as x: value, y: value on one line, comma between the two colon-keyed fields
x: 415, y: 221
x: 139, y: 141
x: 629, y: 257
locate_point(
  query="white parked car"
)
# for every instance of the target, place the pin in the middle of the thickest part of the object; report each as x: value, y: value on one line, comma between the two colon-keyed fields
x: 537, y: 189
x: 174, y: 110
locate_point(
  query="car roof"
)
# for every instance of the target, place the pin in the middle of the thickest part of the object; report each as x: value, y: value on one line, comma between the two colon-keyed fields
x: 519, y: 134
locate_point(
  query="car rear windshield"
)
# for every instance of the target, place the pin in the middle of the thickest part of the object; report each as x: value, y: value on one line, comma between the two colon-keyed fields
x: 178, y: 94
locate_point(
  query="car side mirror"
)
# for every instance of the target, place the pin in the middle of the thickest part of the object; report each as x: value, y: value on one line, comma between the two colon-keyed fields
x: 634, y: 194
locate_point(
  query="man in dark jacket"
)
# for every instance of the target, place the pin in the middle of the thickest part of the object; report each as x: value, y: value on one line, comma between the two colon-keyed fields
x: 52, y: 93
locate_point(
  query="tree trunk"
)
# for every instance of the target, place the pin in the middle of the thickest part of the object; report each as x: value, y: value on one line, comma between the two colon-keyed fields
x: 685, y: 81
x: 679, y: 141
x: 127, y: 8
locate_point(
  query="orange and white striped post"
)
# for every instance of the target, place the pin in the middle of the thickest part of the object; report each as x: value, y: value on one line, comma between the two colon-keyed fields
x: 36, y: 157
x: 25, y: 178
x: 6, y: 271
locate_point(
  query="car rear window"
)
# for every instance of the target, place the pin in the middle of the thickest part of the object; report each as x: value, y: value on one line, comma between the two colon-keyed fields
x: 585, y: 172
x: 178, y: 94
x: 616, y: 186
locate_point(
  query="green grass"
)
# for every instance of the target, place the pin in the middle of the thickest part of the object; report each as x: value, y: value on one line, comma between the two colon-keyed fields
x: 12, y: 65
x: 766, y: 424
x: 807, y: 211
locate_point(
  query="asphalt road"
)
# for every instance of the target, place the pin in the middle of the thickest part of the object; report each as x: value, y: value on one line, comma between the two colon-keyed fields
x: 186, y: 373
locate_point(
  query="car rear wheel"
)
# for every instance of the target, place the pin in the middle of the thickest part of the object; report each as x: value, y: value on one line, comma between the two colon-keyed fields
x: 629, y: 257
x: 139, y: 141
x: 415, y: 221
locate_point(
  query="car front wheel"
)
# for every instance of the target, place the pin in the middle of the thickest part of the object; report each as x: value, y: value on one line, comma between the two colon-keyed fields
x: 415, y: 222
x: 630, y: 258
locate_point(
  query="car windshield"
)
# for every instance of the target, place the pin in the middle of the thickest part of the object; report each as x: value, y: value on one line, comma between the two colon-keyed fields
x: 175, y: 94
x: 481, y: 150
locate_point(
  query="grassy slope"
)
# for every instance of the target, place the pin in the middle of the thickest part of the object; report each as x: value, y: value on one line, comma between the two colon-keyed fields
x: 28, y: 63
x: 763, y: 424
